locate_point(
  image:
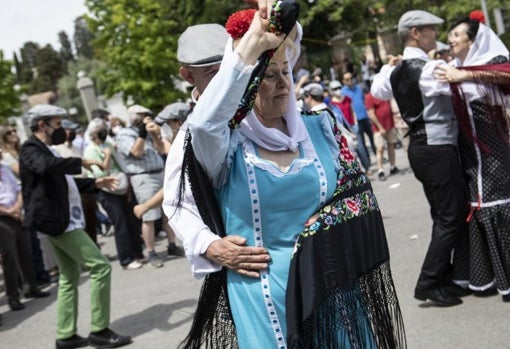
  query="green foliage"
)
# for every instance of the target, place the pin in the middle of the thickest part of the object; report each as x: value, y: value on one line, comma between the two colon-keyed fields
x: 49, y: 69
x: 138, y: 40
x: 9, y: 99
x: 66, y: 50
x: 83, y: 38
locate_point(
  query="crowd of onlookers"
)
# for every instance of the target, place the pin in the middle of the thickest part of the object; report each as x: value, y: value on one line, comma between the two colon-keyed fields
x: 357, y: 111
x: 113, y: 145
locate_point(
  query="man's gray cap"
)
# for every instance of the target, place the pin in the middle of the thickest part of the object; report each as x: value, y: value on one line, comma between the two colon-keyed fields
x: 69, y: 125
x: 314, y: 89
x: 174, y: 111
x: 202, y: 45
x: 42, y: 112
x: 417, y: 18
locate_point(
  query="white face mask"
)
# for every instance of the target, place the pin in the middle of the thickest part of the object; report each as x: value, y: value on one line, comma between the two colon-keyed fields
x: 167, y: 132
x: 116, y: 129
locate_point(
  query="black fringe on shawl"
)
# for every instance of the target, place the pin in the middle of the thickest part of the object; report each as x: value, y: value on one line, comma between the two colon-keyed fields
x: 340, y: 289
x: 212, y: 327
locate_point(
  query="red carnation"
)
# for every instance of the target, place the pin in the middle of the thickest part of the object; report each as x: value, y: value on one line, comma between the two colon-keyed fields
x: 478, y: 16
x: 239, y: 22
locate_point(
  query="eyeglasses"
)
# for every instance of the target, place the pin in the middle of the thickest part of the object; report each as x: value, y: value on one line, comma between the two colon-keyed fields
x: 337, y: 88
x: 10, y: 132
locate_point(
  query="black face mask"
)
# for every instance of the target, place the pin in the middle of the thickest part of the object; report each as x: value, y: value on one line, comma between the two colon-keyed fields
x: 58, y: 136
x: 101, y: 135
x: 71, y: 136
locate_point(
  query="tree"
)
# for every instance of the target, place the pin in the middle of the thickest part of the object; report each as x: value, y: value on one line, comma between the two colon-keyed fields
x: 138, y: 40
x: 27, y: 64
x: 9, y: 99
x: 66, y: 49
x: 83, y: 38
x: 49, y: 69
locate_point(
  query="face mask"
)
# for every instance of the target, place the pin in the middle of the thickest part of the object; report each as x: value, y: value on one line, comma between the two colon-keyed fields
x: 167, y: 132
x: 101, y: 134
x: 58, y: 136
x: 72, y: 136
x: 116, y: 129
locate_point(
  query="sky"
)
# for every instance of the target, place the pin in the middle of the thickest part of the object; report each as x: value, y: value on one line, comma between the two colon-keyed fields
x: 36, y: 20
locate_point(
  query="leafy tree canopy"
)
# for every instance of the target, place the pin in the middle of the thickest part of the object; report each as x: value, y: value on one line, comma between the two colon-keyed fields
x: 9, y: 99
x: 138, y: 40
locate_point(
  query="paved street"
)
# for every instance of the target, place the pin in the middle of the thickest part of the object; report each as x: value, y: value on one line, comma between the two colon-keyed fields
x: 155, y: 306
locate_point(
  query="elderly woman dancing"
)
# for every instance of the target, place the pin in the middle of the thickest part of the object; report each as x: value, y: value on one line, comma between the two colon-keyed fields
x: 287, y: 185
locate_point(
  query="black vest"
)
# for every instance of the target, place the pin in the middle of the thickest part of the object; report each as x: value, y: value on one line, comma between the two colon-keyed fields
x: 406, y: 90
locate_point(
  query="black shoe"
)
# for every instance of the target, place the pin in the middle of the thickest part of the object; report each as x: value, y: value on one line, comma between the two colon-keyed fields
x: 438, y: 296
x: 506, y: 298
x: 486, y: 293
x: 1, y: 320
x: 394, y: 170
x: 174, y: 250
x: 108, y: 339
x: 36, y: 293
x: 74, y: 341
x: 15, y: 304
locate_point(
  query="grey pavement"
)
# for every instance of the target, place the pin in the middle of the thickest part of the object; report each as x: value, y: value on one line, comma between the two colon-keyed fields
x: 156, y: 306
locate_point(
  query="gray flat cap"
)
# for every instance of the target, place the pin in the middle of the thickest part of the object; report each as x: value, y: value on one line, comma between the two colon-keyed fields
x: 174, y: 111
x: 68, y: 124
x: 441, y: 46
x: 42, y: 112
x: 315, y: 89
x: 202, y: 45
x: 417, y: 18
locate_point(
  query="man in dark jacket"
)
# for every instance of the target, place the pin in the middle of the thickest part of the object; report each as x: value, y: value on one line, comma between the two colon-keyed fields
x: 52, y: 206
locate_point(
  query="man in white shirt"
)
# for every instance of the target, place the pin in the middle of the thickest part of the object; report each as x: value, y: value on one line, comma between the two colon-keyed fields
x: 200, y: 51
x: 432, y: 150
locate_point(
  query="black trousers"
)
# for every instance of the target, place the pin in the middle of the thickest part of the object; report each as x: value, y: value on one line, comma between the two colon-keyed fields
x: 16, y: 249
x: 437, y: 167
x: 127, y: 226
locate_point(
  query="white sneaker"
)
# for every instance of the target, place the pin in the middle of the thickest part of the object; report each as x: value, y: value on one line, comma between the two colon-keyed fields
x: 133, y: 265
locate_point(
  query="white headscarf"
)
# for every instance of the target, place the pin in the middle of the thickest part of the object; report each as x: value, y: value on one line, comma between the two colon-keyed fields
x: 271, y: 138
x: 485, y: 47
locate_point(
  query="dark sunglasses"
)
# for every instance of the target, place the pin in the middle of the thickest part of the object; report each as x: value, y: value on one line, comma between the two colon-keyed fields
x: 10, y: 132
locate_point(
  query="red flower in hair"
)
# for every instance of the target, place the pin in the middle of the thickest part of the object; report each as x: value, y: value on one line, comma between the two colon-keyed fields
x: 477, y: 15
x: 239, y: 22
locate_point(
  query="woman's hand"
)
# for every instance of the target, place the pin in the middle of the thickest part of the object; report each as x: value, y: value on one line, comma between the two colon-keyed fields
x: 232, y: 253
x: 264, y: 6
x: 446, y: 73
x: 257, y: 40
x: 394, y: 60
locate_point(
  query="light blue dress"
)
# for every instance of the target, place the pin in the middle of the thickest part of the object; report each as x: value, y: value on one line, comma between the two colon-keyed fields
x: 269, y: 208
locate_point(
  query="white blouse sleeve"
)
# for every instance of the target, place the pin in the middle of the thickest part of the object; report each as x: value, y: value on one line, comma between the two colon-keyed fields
x: 217, y: 105
x: 429, y: 85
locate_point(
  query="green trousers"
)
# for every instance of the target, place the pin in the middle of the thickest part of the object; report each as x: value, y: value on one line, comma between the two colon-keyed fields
x: 73, y: 249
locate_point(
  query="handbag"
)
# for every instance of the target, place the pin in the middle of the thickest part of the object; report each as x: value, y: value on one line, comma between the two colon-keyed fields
x: 122, y: 183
